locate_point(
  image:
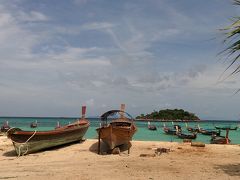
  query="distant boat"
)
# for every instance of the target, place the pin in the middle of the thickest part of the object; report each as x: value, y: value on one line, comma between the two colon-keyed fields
x: 119, y: 131
x: 5, y: 127
x: 172, y: 130
x: 58, y: 125
x: 221, y: 139
x: 34, y: 124
x: 26, y: 142
x: 192, y: 129
x: 151, y: 127
x: 226, y: 127
x: 210, y: 132
x: 186, y: 136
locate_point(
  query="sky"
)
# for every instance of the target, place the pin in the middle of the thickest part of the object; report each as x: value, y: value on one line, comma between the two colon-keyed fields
x: 58, y: 55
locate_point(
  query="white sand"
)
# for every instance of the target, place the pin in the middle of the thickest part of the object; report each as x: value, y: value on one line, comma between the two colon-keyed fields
x: 80, y: 161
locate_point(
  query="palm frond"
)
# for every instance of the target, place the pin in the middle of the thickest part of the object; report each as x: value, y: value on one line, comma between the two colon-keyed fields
x: 236, y: 2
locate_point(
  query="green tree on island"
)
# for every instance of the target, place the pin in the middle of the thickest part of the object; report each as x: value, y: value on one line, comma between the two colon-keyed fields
x: 169, y: 114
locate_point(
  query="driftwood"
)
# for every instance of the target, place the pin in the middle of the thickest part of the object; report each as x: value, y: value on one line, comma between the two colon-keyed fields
x: 158, y: 151
x: 198, y: 144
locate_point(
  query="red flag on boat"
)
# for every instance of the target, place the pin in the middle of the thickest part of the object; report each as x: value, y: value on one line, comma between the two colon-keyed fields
x: 83, y: 112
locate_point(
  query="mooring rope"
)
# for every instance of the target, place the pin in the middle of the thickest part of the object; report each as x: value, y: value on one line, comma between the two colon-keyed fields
x: 10, y: 129
x: 22, y: 145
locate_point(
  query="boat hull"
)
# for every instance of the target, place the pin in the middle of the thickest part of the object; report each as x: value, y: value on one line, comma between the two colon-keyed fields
x: 170, y: 131
x: 116, y: 136
x: 190, y: 129
x: 152, y: 127
x: 26, y: 142
x: 226, y: 128
x: 220, y: 140
x: 210, y: 132
x: 187, y: 136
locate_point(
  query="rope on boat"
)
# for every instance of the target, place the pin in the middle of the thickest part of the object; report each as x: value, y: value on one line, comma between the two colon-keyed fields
x: 22, y: 145
x: 10, y: 129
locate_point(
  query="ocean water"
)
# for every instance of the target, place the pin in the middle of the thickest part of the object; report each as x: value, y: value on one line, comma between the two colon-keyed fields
x: 143, y: 134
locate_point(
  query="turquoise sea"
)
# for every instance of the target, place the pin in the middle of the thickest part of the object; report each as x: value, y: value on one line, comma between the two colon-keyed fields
x: 143, y: 134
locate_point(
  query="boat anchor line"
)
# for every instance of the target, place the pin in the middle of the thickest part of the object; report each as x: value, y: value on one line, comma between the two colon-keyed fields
x: 23, y: 144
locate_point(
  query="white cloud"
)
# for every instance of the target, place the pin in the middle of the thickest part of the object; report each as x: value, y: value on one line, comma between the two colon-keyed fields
x: 53, y: 65
x: 97, y: 26
x: 32, y: 16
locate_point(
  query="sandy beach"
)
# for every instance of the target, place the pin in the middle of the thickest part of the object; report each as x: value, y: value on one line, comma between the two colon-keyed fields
x: 81, y: 161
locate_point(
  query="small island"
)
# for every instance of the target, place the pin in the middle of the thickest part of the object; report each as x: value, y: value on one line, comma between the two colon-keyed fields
x: 169, y: 115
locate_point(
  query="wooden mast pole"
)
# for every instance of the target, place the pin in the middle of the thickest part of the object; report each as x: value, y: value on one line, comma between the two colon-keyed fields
x: 99, y: 140
x: 227, y: 131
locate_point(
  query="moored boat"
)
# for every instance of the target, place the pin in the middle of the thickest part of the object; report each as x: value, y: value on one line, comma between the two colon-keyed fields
x: 172, y: 130
x: 169, y: 131
x: 151, y: 127
x: 119, y: 131
x: 220, y: 140
x: 226, y: 127
x: 193, y: 129
x: 217, y: 139
x: 5, y: 127
x: 210, y: 132
x: 26, y: 142
x: 186, y: 136
x: 34, y: 124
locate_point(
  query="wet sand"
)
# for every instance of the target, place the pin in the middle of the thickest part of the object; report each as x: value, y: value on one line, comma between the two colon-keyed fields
x: 81, y: 161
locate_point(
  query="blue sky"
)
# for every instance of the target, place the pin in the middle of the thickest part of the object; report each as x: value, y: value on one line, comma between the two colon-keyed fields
x: 149, y: 54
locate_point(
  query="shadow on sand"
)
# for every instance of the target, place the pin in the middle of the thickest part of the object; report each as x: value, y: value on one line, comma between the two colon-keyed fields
x: 104, y: 149
x: 13, y: 153
x: 230, y: 169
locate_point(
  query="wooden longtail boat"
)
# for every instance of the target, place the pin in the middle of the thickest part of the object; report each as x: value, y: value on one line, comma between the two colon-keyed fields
x: 226, y: 127
x: 5, y: 127
x: 119, y: 131
x: 151, y: 127
x: 220, y: 140
x: 217, y: 139
x: 26, y: 142
x: 210, y: 132
x: 193, y: 129
x: 187, y: 136
x: 34, y: 124
x: 172, y: 130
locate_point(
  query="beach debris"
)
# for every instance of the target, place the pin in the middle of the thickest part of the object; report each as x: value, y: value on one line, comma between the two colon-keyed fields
x: 187, y: 140
x: 159, y: 151
x: 147, y: 155
x: 198, y: 144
